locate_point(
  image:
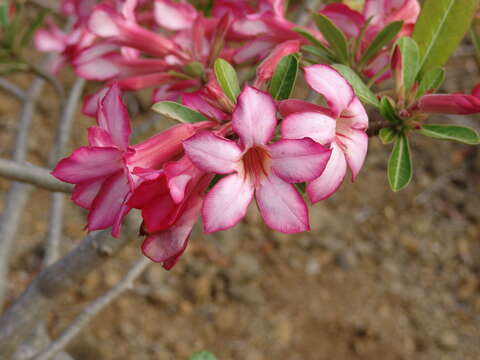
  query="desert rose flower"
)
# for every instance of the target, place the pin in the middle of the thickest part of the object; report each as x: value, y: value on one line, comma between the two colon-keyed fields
x: 170, y: 200
x: 103, y: 171
x: 342, y: 126
x: 256, y: 167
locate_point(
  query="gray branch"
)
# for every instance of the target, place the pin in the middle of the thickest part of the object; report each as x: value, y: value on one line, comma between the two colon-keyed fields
x: 34, y: 305
x: 98, y: 305
x: 33, y: 175
x: 12, y: 89
x: 16, y: 197
x: 64, y: 128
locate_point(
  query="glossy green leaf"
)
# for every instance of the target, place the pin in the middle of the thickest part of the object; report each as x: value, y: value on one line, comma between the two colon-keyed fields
x: 382, y: 39
x: 431, y: 81
x: 318, y: 52
x: 458, y: 133
x: 388, y: 111
x: 284, y: 77
x: 203, y: 355
x: 317, y: 47
x: 440, y: 27
x: 178, y: 112
x: 334, y: 36
x: 227, y: 78
x: 410, y: 59
x: 387, y: 135
x: 400, y: 164
x: 361, y: 90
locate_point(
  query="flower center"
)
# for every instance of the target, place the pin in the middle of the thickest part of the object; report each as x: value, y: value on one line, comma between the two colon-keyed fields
x: 256, y: 164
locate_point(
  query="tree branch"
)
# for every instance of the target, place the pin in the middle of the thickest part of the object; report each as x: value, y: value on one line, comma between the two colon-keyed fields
x: 12, y: 89
x: 16, y: 197
x: 33, y: 306
x: 33, y: 175
x: 64, y: 127
x: 93, y: 309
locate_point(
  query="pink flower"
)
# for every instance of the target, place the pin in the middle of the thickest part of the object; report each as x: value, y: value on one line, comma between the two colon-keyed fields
x: 170, y: 200
x: 460, y: 104
x: 66, y: 45
x: 256, y: 167
x: 103, y: 171
x: 342, y: 126
x: 106, y: 22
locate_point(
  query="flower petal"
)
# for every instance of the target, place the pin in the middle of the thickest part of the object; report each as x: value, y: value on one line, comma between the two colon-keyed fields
x: 212, y: 153
x: 160, y: 213
x: 331, y: 178
x: 327, y: 81
x: 88, y: 163
x: 281, y: 206
x: 173, y: 15
x: 84, y: 193
x: 152, y: 186
x: 196, y: 101
x: 90, y: 102
x: 354, y: 144
x: 113, y: 117
x: 99, y: 137
x: 167, y: 246
x: 226, y: 204
x: 256, y: 49
x: 314, y: 125
x: 108, y: 204
x: 354, y: 116
x: 298, y: 160
x: 290, y: 106
x: 254, y: 118
x: 348, y: 20
x: 49, y: 41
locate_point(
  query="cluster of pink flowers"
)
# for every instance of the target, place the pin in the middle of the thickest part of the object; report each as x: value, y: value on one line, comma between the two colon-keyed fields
x: 251, y: 146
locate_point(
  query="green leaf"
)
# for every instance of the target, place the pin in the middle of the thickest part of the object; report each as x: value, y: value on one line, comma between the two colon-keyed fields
x: 178, y: 112
x: 3, y: 15
x: 382, y: 39
x: 334, y: 36
x: 458, y: 133
x: 361, y: 90
x: 440, y: 27
x: 388, y: 111
x: 431, y: 81
x: 227, y: 78
x: 409, y: 59
x: 387, y: 135
x: 400, y: 164
x: 318, y: 52
x: 194, y: 69
x: 284, y: 77
x: 318, y: 48
x: 203, y: 355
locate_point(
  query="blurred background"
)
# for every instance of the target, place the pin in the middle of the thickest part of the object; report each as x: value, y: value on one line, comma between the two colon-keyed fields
x: 382, y: 275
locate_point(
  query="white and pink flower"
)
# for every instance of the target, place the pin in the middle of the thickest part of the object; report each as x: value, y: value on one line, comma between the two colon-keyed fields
x: 341, y: 126
x: 256, y: 167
